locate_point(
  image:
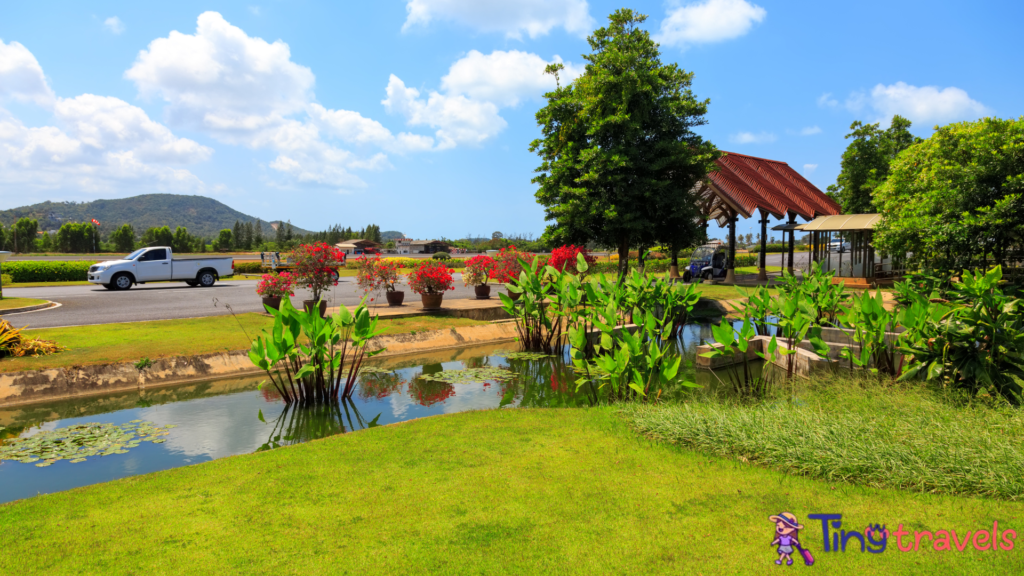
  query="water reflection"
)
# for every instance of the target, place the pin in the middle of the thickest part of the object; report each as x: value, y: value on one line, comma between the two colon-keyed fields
x: 297, y: 423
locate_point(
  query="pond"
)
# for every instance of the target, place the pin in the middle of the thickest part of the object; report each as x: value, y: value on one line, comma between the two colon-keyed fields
x: 162, y: 428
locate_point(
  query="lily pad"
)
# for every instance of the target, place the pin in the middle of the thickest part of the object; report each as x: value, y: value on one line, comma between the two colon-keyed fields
x: 374, y: 370
x: 470, y: 375
x: 526, y: 356
x: 81, y: 441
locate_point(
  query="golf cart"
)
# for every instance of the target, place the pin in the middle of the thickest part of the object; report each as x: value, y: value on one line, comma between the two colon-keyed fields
x: 706, y: 262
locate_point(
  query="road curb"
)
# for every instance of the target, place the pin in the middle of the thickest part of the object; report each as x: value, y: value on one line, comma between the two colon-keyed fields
x: 49, y: 304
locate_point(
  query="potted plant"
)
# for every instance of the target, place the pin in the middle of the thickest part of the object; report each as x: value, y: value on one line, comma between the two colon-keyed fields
x: 272, y: 287
x: 430, y: 280
x: 477, y: 272
x: 316, y: 265
x: 507, y: 266
x: 375, y: 274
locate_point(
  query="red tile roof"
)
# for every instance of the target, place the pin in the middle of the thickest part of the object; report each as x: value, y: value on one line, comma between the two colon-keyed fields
x: 743, y: 184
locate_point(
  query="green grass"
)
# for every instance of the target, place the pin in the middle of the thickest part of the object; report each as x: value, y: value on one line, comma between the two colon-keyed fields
x: 844, y: 430
x: 106, y: 343
x: 8, y: 303
x: 529, y: 491
x: 754, y: 269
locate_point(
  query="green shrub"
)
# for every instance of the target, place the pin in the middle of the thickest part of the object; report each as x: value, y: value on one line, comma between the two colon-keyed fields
x: 441, y: 256
x: 780, y: 247
x: 5, y: 279
x: 55, y: 271
x: 248, y: 267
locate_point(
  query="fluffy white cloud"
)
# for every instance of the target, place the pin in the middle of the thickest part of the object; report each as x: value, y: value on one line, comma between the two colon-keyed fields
x: 709, y: 21
x: 356, y: 128
x: 810, y: 131
x: 456, y: 118
x: 222, y: 80
x: 114, y: 25
x: 533, y: 17
x: 925, y: 104
x: 504, y: 78
x: 21, y: 76
x: 751, y: 138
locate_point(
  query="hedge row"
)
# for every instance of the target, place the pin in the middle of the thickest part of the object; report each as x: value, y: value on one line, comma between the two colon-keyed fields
x: 55, y: 271
x: 780, y: 248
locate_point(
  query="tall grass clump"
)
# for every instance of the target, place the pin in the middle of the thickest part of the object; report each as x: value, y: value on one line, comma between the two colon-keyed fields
x: 849, y: 430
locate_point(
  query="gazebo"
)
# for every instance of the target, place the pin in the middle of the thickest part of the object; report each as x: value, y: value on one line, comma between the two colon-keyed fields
x: 859, y: 268
x: 746, y: 185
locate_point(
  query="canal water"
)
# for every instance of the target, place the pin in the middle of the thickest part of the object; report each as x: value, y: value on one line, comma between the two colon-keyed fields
x: 210, y: 420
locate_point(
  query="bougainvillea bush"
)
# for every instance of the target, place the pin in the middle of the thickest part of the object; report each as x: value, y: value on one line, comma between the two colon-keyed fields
x: 564, y: 258
x: 507, y: 266
x: 431, y: 277
x: 276, y: 285
x: 316, y: 264
x: 376, y: 273
x: 478, y: 270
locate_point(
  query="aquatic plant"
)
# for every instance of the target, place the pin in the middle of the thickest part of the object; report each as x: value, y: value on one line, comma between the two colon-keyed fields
x: 81, y: 441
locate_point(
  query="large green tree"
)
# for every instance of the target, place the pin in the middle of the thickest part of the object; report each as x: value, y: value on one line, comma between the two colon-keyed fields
x: 956, y: 198
x: 123, y: 238
x: 618, y: 144
x: 865, y: 164
x: 24, y: 234
x: 161, y: 236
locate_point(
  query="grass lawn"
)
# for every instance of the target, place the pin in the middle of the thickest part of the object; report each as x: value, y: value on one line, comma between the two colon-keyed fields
x: 8, y: 303
x: 753, y: 269
x: 532, y: 491
x: 132, y: 340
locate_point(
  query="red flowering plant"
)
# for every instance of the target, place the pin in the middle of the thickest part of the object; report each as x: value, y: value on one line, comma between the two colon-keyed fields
x: 316, y: 264
x: 276, y: 285
x: 431, y: 277
x: 478, y: 270
x: 564, y: 258
x: 375, y: 274
x: 507, y: 266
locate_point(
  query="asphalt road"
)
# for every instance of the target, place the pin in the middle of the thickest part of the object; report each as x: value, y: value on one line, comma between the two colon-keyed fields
x: 82, y: 305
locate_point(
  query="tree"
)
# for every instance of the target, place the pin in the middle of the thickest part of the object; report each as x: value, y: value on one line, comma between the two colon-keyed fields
x: 257, y: 237
x: 865, y: 164
x: 957, y: 197
x: 46, y: 243
x: 25, y: 233
x: 288, y: 233
x: 73, y: 237
x: 237, y: 235
x: 161, y: 236
x: 183, y: 242
x: 279, y: 235
x: 123, y: 238
x: 618, y: 144
x: 225, y: 240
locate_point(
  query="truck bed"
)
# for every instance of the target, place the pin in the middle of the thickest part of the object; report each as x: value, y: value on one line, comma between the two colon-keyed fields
x: 201, y: 257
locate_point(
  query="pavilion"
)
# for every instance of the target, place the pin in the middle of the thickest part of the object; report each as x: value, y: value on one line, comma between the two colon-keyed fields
x: 743, y: 186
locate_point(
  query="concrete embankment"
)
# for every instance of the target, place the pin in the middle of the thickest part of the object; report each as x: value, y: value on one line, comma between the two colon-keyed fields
x: 60, y: 383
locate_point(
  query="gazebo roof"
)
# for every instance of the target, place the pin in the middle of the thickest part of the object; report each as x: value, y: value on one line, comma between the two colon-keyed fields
x: 843, y: 222
x: 743, y: 185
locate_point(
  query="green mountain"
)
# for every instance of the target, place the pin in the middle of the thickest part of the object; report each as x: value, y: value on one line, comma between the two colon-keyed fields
x: 201, y: 215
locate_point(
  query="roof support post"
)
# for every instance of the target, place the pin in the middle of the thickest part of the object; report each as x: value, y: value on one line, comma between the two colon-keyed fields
x: 730, y: 266
x: 792, y: 238
x: 762, y: 270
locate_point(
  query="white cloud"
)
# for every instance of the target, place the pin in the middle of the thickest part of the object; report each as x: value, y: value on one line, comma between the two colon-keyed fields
x: 533, y: 17
x: 21, y: 76
x: 504, y: 78
x: 751, y: 138
x: 458, y: 120
x: 810, y: 131
x: 114, y: 25
x: 810, y: 168
x: 925, y: 104
x: 827, y: 101
x: 99, y: 143
x: 708, y: 21
x: 355, y: 128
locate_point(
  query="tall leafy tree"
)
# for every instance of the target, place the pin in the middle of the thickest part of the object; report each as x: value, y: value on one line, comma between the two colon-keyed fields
x: 158, y: 236
x: 958, y: 197
x: 123, y: 238
x: 618, y: 144
x: 257, y: 237
x: 24, y: 232
x: 866, y: 161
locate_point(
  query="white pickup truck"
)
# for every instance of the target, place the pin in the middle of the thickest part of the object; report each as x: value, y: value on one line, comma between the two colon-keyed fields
x: 156, y: 264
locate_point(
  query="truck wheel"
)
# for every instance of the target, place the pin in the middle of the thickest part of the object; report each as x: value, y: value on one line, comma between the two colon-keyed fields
x: 121, y: 282
x: 206, y: 279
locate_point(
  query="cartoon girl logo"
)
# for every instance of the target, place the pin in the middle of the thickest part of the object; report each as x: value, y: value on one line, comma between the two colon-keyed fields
x: 787, y: 533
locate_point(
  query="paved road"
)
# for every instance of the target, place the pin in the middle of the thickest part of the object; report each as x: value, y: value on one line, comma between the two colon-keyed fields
x: 81, y: 305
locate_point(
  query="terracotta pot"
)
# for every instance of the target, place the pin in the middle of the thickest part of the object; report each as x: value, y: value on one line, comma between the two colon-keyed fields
x: 483, y: 291
x: 308, y: 305
x: 513, y: 295
x: 272, y: 302
x: 395, y: 298
x: 432, y: 301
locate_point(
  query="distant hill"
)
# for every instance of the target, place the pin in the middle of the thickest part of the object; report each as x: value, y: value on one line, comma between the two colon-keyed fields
x: 391, y: 235
x: 201, y: 215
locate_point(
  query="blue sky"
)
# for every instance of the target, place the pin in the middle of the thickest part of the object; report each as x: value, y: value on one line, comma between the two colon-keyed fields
x: 416, y: 114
